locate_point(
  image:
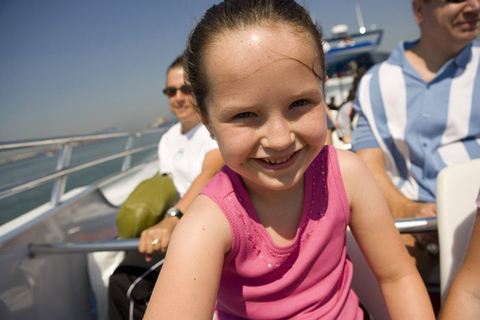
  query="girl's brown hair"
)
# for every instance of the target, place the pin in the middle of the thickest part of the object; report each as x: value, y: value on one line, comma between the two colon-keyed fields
x: 231, y: 15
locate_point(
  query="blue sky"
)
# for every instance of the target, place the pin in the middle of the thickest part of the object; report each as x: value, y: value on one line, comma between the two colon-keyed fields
x: 75, y: 67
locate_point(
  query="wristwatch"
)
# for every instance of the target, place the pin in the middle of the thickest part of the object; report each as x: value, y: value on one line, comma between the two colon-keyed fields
x: 174, y: 212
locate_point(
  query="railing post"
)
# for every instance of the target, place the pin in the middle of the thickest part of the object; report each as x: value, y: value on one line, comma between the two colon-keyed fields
x: 59, y: 184
x: 127, y: 161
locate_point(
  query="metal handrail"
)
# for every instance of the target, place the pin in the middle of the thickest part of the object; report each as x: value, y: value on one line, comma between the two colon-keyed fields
x: 63, y: 170
x: 84, y: 247
x: 417, y: 225
x: 20, y: 144
x: 413, y: 225
x: 32, y: 183
x: 377, y: 32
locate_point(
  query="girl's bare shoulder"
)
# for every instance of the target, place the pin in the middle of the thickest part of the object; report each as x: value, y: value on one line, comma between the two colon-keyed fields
x: 355, y: 173
x: 350, y: 163
x: 204, y: 221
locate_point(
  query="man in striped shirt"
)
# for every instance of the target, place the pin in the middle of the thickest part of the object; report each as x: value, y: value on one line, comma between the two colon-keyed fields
x: 420, y: 109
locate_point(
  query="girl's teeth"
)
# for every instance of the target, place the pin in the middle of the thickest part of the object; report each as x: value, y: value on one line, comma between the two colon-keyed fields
x: 276, y: 161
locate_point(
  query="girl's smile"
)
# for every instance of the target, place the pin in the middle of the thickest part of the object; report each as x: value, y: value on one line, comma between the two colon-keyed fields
x: 266, y: 104
x: 278, y: 163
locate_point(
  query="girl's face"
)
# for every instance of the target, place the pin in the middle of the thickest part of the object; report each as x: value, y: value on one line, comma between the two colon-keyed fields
x: 265, y: 105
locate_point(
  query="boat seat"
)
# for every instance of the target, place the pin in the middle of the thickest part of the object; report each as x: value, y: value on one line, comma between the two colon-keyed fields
x: 457, y: 189
x: 117, y: 192
x: 364, y: 282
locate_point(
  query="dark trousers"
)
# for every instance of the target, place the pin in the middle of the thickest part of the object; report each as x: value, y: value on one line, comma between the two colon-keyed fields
x: 131, y: 285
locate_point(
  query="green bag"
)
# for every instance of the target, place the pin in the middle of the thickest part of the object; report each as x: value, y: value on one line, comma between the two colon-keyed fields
x: 145, y: 206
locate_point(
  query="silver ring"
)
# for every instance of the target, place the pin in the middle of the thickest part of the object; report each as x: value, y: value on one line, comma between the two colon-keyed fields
x: 154, y: 242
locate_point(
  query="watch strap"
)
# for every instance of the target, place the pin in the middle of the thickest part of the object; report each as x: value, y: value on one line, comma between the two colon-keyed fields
x: 174, y: 212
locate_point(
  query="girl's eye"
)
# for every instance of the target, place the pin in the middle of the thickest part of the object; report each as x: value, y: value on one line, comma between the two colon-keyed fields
x: 243, y: 115
x: 299, y: 103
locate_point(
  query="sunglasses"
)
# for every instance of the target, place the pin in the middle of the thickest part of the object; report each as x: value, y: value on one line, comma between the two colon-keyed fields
x: 172, y: 91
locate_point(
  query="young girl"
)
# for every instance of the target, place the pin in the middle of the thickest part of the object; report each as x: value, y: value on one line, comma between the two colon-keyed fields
x: 266, y: 238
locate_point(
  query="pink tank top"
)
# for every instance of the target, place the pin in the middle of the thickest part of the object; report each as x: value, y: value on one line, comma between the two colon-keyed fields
x: 308, y: 279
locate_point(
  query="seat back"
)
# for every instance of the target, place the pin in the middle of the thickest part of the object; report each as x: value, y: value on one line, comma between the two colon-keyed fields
x: 457, y: 189
x: 364, y: 282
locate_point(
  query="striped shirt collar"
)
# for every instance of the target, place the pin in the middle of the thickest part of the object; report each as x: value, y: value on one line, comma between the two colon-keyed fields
x: 397, y: 57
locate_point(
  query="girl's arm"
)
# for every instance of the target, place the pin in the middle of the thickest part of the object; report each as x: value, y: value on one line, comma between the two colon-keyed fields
x: 374, y: 230
x: 463, y: 300
x: 188, y: 282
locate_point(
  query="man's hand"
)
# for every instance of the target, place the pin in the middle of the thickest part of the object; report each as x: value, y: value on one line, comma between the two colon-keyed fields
x: 400, y: 206
x: 413, y: 209
x: 157, y: 237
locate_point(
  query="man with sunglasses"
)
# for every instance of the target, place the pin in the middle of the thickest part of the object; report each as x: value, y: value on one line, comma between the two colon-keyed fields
x: 191, y: 158
x: 420, y: 111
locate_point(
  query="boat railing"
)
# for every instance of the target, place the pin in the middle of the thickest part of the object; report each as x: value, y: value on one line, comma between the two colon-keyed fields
x: 376, y: 36
x: 413, y: 225
x: 63, y: 169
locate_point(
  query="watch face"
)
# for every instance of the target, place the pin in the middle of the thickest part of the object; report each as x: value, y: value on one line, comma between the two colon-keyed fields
x: 173, y: 212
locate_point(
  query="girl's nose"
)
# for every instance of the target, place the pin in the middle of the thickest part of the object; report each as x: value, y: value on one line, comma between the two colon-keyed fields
x: 277, y: 134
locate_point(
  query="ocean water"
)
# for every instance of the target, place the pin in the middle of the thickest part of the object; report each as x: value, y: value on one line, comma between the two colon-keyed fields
x: 45, y: 162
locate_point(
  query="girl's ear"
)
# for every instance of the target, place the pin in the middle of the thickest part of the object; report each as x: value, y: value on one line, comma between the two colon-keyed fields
x: 204, y: 121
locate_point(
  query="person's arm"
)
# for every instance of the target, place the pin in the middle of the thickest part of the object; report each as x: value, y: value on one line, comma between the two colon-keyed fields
x: 188, y: 283
x: 374, y: 230
x: 399, y: 205
x: 212, y: 163
x: 162, y: 231
x: 366, y: 146
x: 463, y: 300
x: 347, y: 138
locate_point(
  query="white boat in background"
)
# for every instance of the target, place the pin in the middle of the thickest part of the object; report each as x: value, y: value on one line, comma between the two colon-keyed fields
x: 345, y: 54
x: 347, y: 57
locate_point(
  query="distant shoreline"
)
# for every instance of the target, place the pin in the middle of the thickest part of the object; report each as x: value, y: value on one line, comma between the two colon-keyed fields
x: 49, y: 152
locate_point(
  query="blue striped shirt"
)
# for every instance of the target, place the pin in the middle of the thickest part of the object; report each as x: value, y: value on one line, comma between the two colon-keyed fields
x: 420, y: 127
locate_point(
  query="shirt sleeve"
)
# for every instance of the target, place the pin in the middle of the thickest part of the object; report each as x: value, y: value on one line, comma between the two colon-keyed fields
x: 344, y: 120
x: 210, y: 145
x: 362, y: 137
